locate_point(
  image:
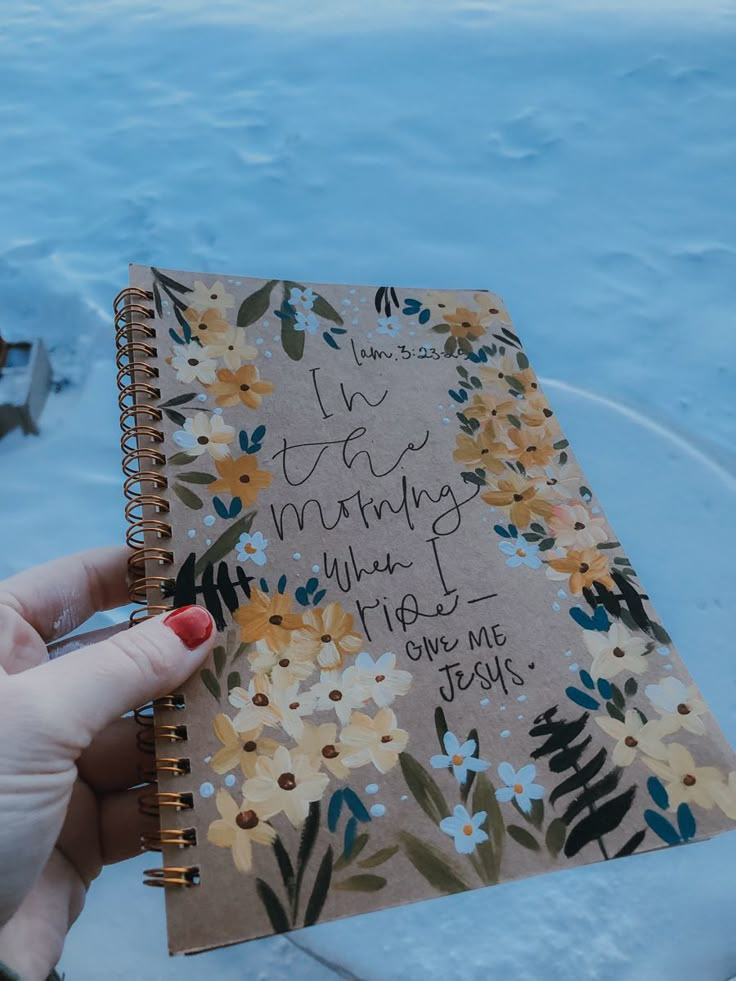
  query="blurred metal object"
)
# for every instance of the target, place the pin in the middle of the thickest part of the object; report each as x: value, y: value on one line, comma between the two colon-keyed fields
x: 25, y: 380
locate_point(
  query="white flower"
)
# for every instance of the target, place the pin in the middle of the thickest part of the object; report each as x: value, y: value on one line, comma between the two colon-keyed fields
x: 459, y: 757
x: 614, y: 651
x: 204, y: 297
x: 520, y: 552
x: 376, y: 741
x: 724, y: 795
x: 205, y: 434
x: 286, y: 665
x: 232, y: 346
x: 685, y: 782
x: 519, y: 785
x: 341, y: 692
x: 287, y: 783
x: 380, y: 679
x: 192, y: 363
x: 238, y: 829
x: 291, y: 704
x: 304, y: 298
x: 632, y: 735
x: 252, y: 547
x: 320, y: 744
x: 255, y: 705
x: 388, y: 325
x: 307, y: 322
x: 465, y: 829
x: 574, y: 527
x: 680, y: 704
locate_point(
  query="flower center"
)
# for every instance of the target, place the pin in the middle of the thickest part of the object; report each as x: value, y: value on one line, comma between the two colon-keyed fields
x: 250, y: 549
x: 521, y: 553
x: 260, y: 700
x: 683, y: 709
x: 230, y: 347
x: 202, y: 326
x: 329, y: 752
x: 287, y: 781
x: 294, y: 706
x: 284, y: 662
x: 275, y: 620
x: 247, y: 820
x: 584, y: 567
x: 192, y: 361
x: 518, y: 497
x: 531, y: 449
x: 458, y: 759
x: 213, y: 296
x: 335, y: 695
x: 547, y: 412
x: 202, y: 440
x: 579, y: 526
x: 380, y: 678
x: 466, y: 323
x: 518, y: 788
x: 386, y: 739
x: 493, y: 310
x: 688, y: 780
x: 245, y: 388
x: 630, y: 742
x: 468, y: 829
x: 484, y: 451
x: 326, y: 639
x: 617, y: 652
x: 250, y: 746
x: 244, y: 478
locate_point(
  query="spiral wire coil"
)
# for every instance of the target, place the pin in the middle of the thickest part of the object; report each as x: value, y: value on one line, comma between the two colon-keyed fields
x: 150, y: 559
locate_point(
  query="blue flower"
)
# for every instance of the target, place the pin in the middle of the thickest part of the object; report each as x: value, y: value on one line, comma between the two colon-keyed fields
x: 465, y: 829
x: 388, y: 325
x: 460, y: 758
x: 252, y: 547
x: 520, y: 552
x: 519, y: 785
x: 307, y: 322
x: 304, y: 298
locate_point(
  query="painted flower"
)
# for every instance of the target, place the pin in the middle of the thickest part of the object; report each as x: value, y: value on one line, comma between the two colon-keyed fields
x: 680, y: 704
x: 252, y: 547
x: 292, y: 705
x: 485, y: 407
x: 340, y: 692
x: 388, y: 325
x: 465, y: 323
x: 377, y: 741
x: 243, y: 387
x: 459, y: 756
x: 286, y: 666
x: 535, y: 411
x: 239, y: 830
x: 520, y: 552
x: 524, y: 498
x: 320, y: 744
x: 252, y: 749
x: 327, y: 636
x: 581, y: 567
x: 255, y: 705
x: 203, y: 433
x: 481, y: 450
x: 724, y: 794
x: 203, y: 296
x: 532, y: 448
x: 232, y: 346
x: 288, y: 783
x: 193, y: 363
x: 465, y: 829
x: 519, y: 785
x: 685, y: 782
x: 238, y: 748
x: 306, y: 322
x: 574, y: 527
x: 614, y: 651
x: 381, y: 680
x: 491, y: 308
x: 241, y: 477
x: 267, y: 617
x: 207, y: 323
x: 302, y: 298
x: 634, y: 735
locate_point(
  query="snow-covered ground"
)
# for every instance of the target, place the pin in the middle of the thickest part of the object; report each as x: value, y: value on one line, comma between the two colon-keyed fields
x: 576, y: 158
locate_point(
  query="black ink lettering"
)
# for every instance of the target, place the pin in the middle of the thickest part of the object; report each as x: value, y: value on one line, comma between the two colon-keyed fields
x: 325, y: 415
x: 433, y: 543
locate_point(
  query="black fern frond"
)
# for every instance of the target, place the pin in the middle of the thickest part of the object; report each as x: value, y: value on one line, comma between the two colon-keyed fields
x: 216, y: 590
x: 601, y: 812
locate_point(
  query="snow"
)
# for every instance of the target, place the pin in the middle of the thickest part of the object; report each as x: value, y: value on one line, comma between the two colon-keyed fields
x: 577, y: 159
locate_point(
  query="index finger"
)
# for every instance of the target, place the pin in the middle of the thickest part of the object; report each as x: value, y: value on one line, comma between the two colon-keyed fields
x: 58, y: 596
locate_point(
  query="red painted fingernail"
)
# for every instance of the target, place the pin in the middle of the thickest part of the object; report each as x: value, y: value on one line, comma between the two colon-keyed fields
x: 191, y: 624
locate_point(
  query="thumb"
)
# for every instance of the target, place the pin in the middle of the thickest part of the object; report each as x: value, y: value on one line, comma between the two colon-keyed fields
x: 79, y: 694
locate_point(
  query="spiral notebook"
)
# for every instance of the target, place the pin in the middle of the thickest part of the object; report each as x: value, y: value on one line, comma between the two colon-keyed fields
x: 437, y: 668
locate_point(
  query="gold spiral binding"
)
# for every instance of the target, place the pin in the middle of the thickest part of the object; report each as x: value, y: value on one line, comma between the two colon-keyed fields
x: 150, y: 562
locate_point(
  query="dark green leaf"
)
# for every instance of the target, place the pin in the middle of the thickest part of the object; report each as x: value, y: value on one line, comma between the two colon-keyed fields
x: 604, y: 819
x: 423, y: 788
x: 254, y: 306
x: 233, y: 680
x: 177, y: 400
x: 618, y: 698
x: 187, y: 497
x: 555, y: 837
x: 325, y: 310
x: 211, y: 683
x: 195, y: 477
x: 320, y: 889
x: 441, y: 329
x: 431, y: 864
x: 275, y: 911
x: 614, y: 712
x: 535, y: 815
x: 632, y: 844
x: 358, y: 845
x: 225, y: 543
x: 465, y: 789
x: 522, y: 837
x: 180, y: 459
x: 631, y: 687
x: 363, y: 882
x: 489, y: 852
x: 285, y: 867
x: 168, y: 281
x: 310, y: 829
x: 219, y: 658
x: 175, y: 417
x: 659, y: 633
x: 514, y: 421
x: 379, y: 857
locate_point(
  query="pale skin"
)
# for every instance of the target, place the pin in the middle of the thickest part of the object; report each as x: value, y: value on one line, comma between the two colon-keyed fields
x: 68, y: 760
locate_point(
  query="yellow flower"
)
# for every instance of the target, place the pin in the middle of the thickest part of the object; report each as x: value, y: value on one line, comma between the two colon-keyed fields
x: 203, y: 296
x: 288, y: 782
x: 491, y: 308
x: 205, y: 434
x: 481, y: 450
x: 238, y: 748
x: 521, y: 495
x: 535, y: 411
x: 376, y: 741
x: 267, y: 617
x: 582, y: 567
x: 238, y: 829
x: 241, y: 477
x: 286, y: 666
x: 256, y: 705
x: 242, y: 386
x: 205, y: 324
x: 485, y: 407
x: 320, y: 745
x: 685, y: 782
x: 327, y: 636
x: 292, y: 705
x: 614, y: 651
x: 465, y: 323
x: 530, y: 448
x: 231, y: 345
x: 633, y: 734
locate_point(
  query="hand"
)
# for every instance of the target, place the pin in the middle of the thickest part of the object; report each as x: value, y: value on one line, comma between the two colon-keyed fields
x: 68, y: 761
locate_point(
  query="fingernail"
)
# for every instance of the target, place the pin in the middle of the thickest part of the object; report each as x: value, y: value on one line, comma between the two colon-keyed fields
x: 191, y: 624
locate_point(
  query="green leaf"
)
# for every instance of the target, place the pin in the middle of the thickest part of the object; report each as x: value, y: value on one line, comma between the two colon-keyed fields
x: 223, y: 545
x: 360, y: 883
x: 219, y: 656
x: 275, y: 911
x: 379, y: 857
x: 555, y: 837
x: 535, y: 816
x: 522, y: 360
x: 211, y: 683
x: 440, y: 724
x: 195, y: 477
x: 310, y: 830
x: 430, y: 864
x: 254, y: 306
x: 233, y: 680
x: 187, y: 497
x: 325, y: 310
x: 358, y: 845
x: 441, y: 329
x: 618, y: 699
x: 514, y: 421
x: 292, y: 340
x: 177, y: 400
x: 470, y: 778
x: 285, y: 867
x: 659, y: 633
x: 489, y: 852
x: 522, y: 837
x: 179, y: 459
x: 614, y: 712
x: 423, y: 788
x: 320, y: 889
